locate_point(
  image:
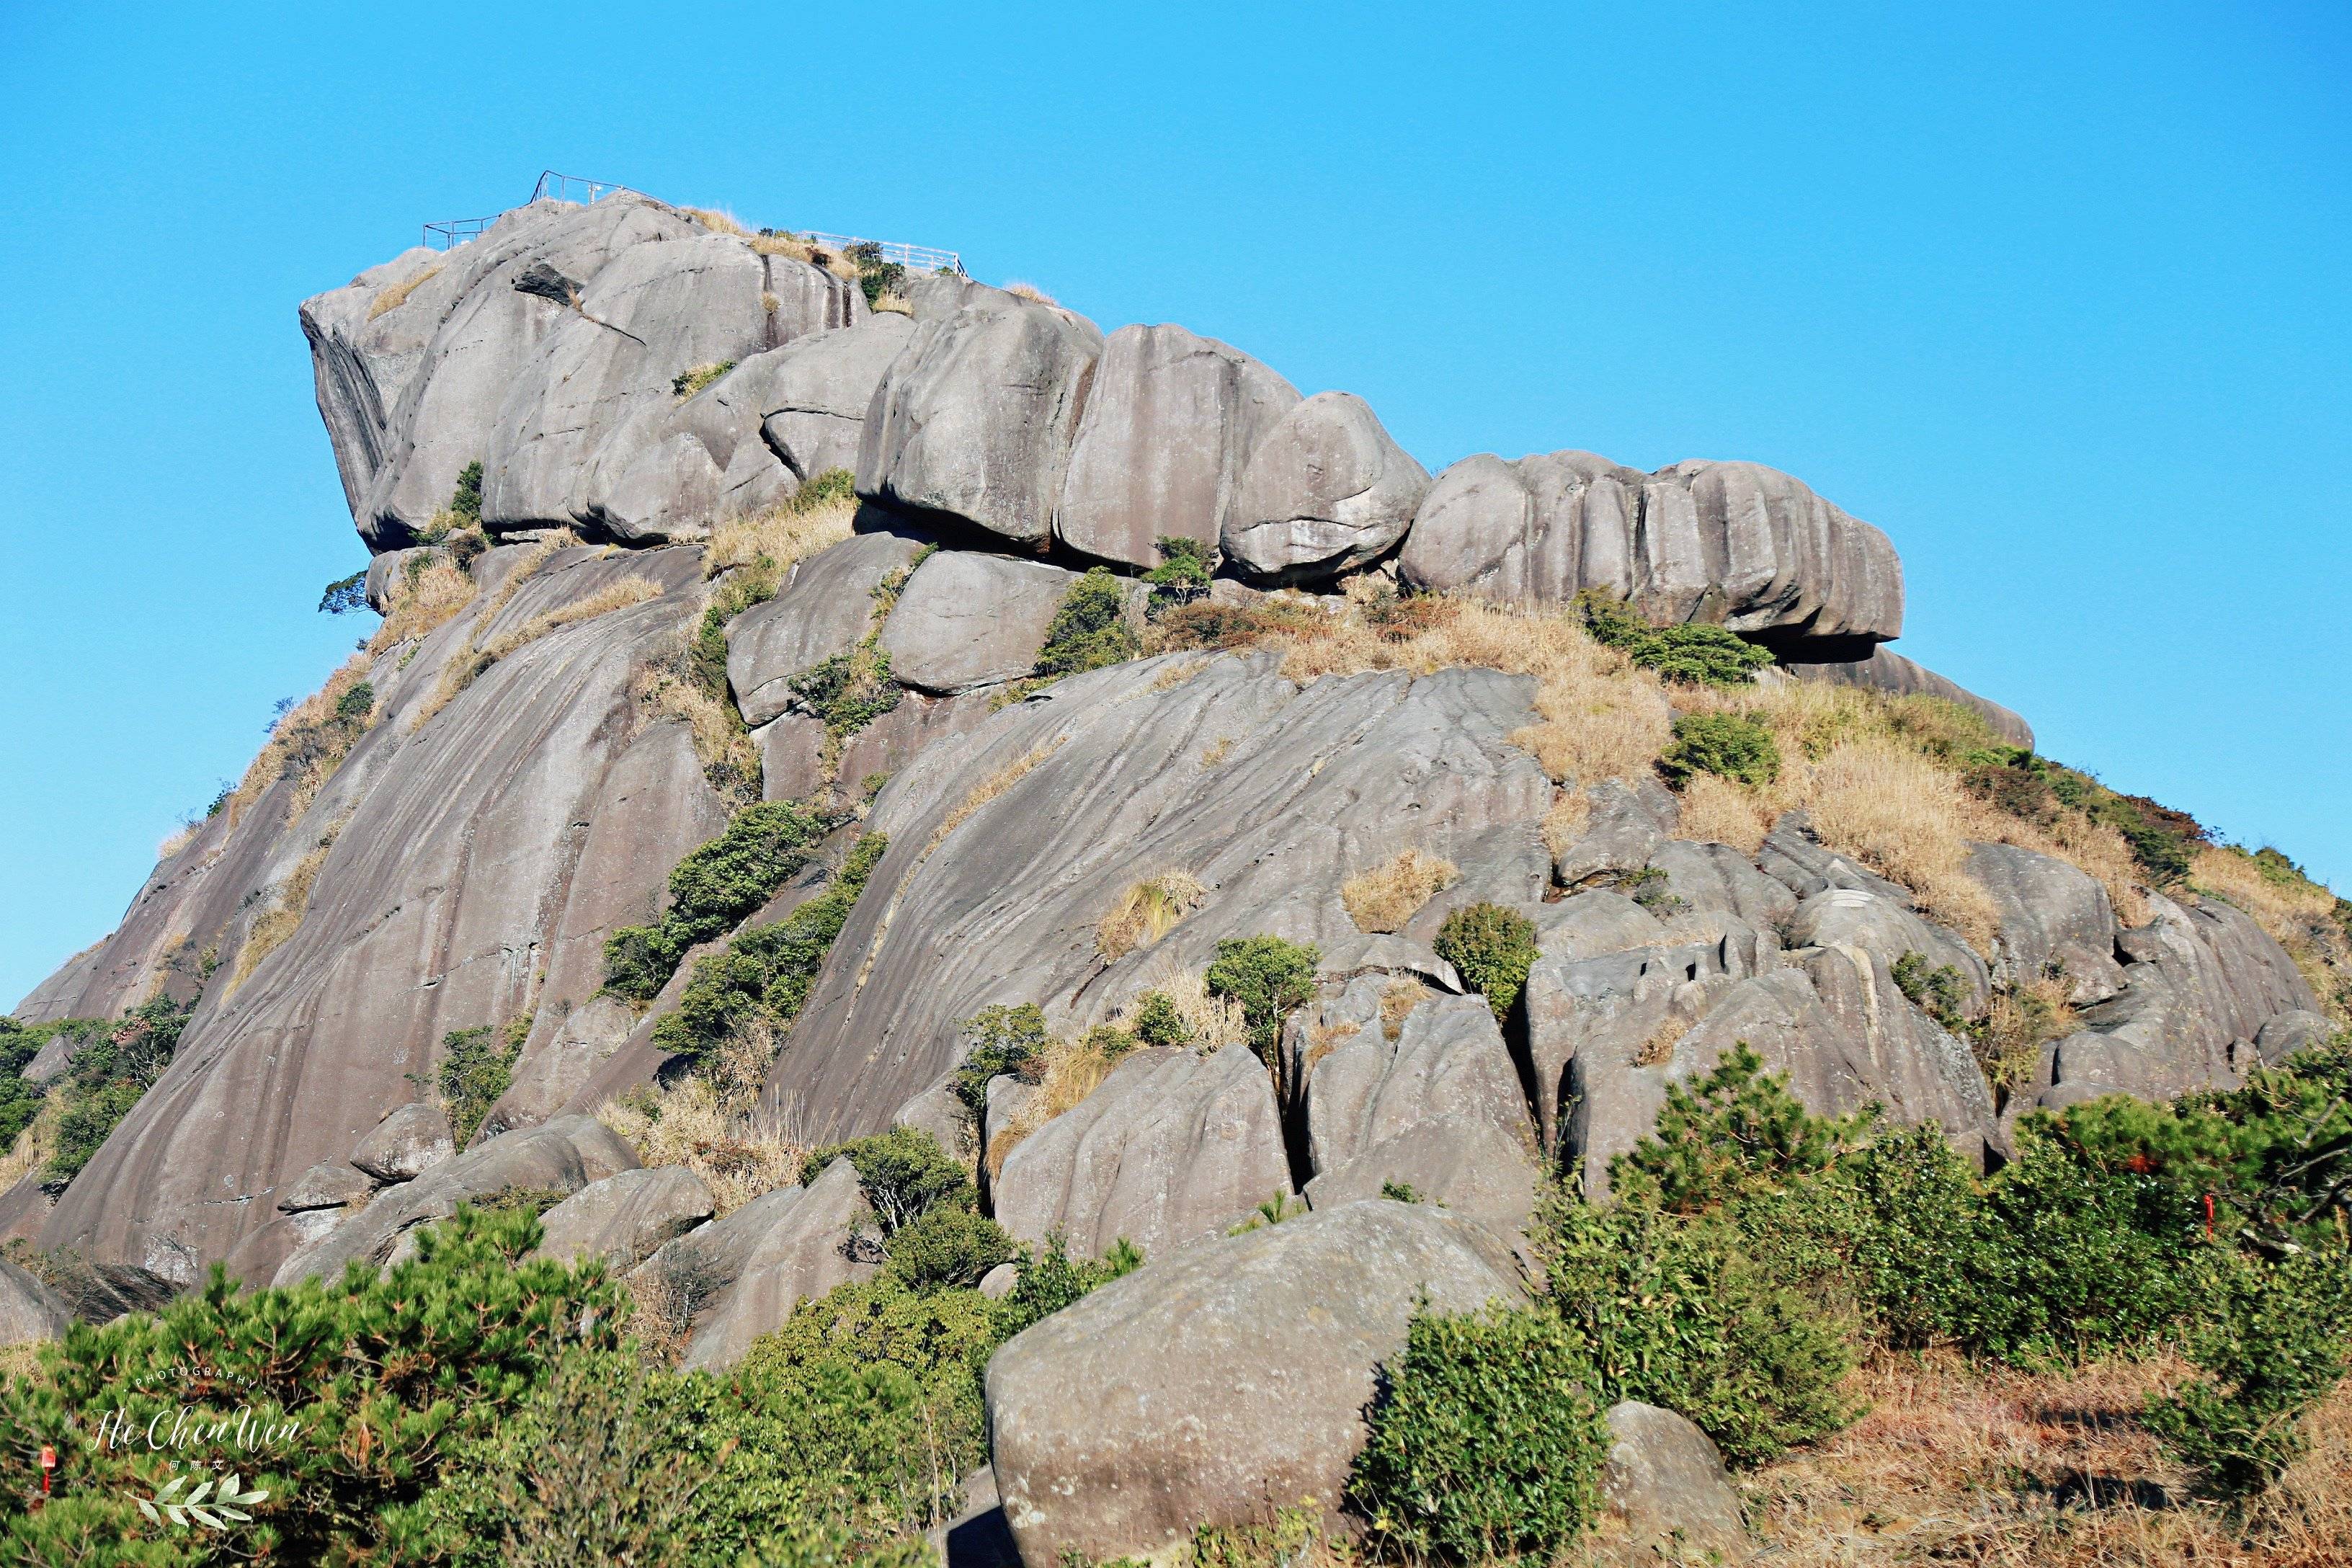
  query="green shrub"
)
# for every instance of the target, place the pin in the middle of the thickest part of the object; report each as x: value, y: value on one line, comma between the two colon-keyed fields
x: 476, y: 1067
x: 2274, y: 1347
x: 1693, y: 655
x: 1734, y: 1135
x: 345, y: 595
x: 1158, y: 1023
x: 1486, y: 1439
x: 823, y: 488
x: 357, y: 704
x: 1724, y: 744
x: 1090, y: 630
x: 849, y: 690
x: 465, y: 500
x: 904, y: 1173
x: 113, y: 1067
x: 1182, y: 574
x: 383, y: 1377
x: 949, y: 1246
x: 2033, y: 788
x: 1492, y: 948
x: 766, y: 972
x: 1051, y: 1279
x: 1678, y: 1310
x: 1936, y: 989
x: 1269, y: 977
x: 687, y: 383
x: 713, y: 889
x: 1004, y: 1039
x: 20, y: 1097
x: 876, y: 277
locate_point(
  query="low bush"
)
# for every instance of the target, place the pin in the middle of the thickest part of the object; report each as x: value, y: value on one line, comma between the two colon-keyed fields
x: 1157, y: 1022
x: 849, y: 690
x: 1724, y: 744
x: 1692, y: 655
x: 465, y: 500
x: 476, y: 1067
x: 764, y: 974
x: 357, y: 704
x: 1090, y: 631
x: 1487, y: 1438
x: 904, y: 1173
x: 687, y: 383
x: 713, y: 889
x: 345, y: 595
x: 1003, y: 1040
x: 1270, y: 978
x: 1492, y: 948
x: 112, y: 1069
x: 1936, y: 989
x: 1181, y: 576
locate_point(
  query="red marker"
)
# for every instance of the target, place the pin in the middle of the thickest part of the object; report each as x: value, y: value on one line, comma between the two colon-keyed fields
x: 48, y: 1463
x: 2209, y: 1216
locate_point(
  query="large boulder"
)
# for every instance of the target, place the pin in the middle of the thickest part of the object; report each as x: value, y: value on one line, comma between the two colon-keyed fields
x: 406, y: 1143
x: 740, y: 1277
x: 975, y: 418
x: 1892, y: 931
x: 2055, y: 918
x: 1200, y: 1386
x: 1622, y: 830
x: 1888, y: 671
x: 413, y: 359
x: 559, y: 1156
x: 1717, y: 877
x: 826, y: 609
x: 1009, y: 843
x: 1170, y: 423
x: 807, y: 400
x: 1327, y: 490
x: 1734, y: 543
x: 1665, y: 1494
x: 625, y: 1216
x: 2201, y: 982
x: 29, y: 1310
x: 1172, y: 1147
x: 967, y: 620
x: 329, y: 1185
x: 1437, y: 1109
x: 591, y: 433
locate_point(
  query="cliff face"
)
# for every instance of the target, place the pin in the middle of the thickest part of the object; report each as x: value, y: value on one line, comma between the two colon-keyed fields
x: 643, y: 393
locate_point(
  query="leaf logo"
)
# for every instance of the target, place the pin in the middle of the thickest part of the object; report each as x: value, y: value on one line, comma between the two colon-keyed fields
x: 211, y: 1508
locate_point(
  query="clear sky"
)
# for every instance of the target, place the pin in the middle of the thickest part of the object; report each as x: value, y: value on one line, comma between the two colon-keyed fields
x: 2056, y: 294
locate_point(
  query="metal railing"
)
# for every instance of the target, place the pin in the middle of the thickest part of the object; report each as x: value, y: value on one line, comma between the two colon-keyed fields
x: 922, y: 258
x: 553, y: 187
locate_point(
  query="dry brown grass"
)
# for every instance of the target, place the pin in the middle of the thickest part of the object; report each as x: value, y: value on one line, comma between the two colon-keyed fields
x: 698, y: 1126
x: 396, y: 295
x: 1397, y: 1002
x: 1384, y: 898
x: 304, y: 746
x: 2298, y: 913
x: 1065, y: 1072
x: 1216, y: 752
x: 284, y: 917
x: 1031, y: 293
x: 2019, y: 1025
x: 613, y: 597
x: 1903, y: 815
x: 781, y: 536
x: 718, y: 221
x: 1564, y: 824
x: 1963, y: 1465
x: 888, y: 303
x: 423, y: 600
x: 464, y: 663
x: 179, y: 838
x: 1717, y: 811
x: 1147, y: 912
x: 1599, y: 716
x: 781, y: 243
x: 665, y: 687
x: 1210, y: 1023
x: 988, y: 789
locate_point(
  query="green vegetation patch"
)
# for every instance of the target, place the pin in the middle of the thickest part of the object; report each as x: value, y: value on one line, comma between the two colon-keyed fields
x: 1724, y: 744
x: 113, y: 1067
x: 713, y: 889
x: 1492, y: 948
x: 476, y: 1067
x: 1692, y: 655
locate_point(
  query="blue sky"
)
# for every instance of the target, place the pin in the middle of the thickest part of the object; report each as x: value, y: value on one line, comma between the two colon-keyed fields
x: 2056, y: 294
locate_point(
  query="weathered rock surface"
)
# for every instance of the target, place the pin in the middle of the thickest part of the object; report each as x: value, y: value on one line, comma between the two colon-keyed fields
x: 975, y: 418
x: 591, y: 434
x: 1202, y: 1384
x: 564, y: 1155
x: 967, y: 620
x: 1438, y: 1110
x: 29, y: 1310
x: 1717, y: 877
x: 2055, y: 917
x: 1794, y: 856
x: 742, y: 1276
x: 477, y: 864
x: 1622, y: 833
x: 1888, y: 929
x: 1667, y: 1496
x: 1325, y: 489
x: 1736, y: 544
x: 2289, y: 1032
x: 625, y: 1216
x: 807, y: 400
x: 2200, y: 984
x: 1170, y: 424
x: 1174, y: 1147
x: 826, y: 609
x: 406, y: 1145
x: 1269, y: 796
x: 1888, y: 671
x: 329, y: 1185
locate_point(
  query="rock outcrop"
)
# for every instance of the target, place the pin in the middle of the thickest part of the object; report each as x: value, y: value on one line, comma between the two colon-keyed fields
x: 625, y: 1216
x: 1666, y: 1493
x: 1888, y: 671
x: 1327, y: 490
x: 1199, y: 1387
x: 29, y: 1310
x: 1736, y: 544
